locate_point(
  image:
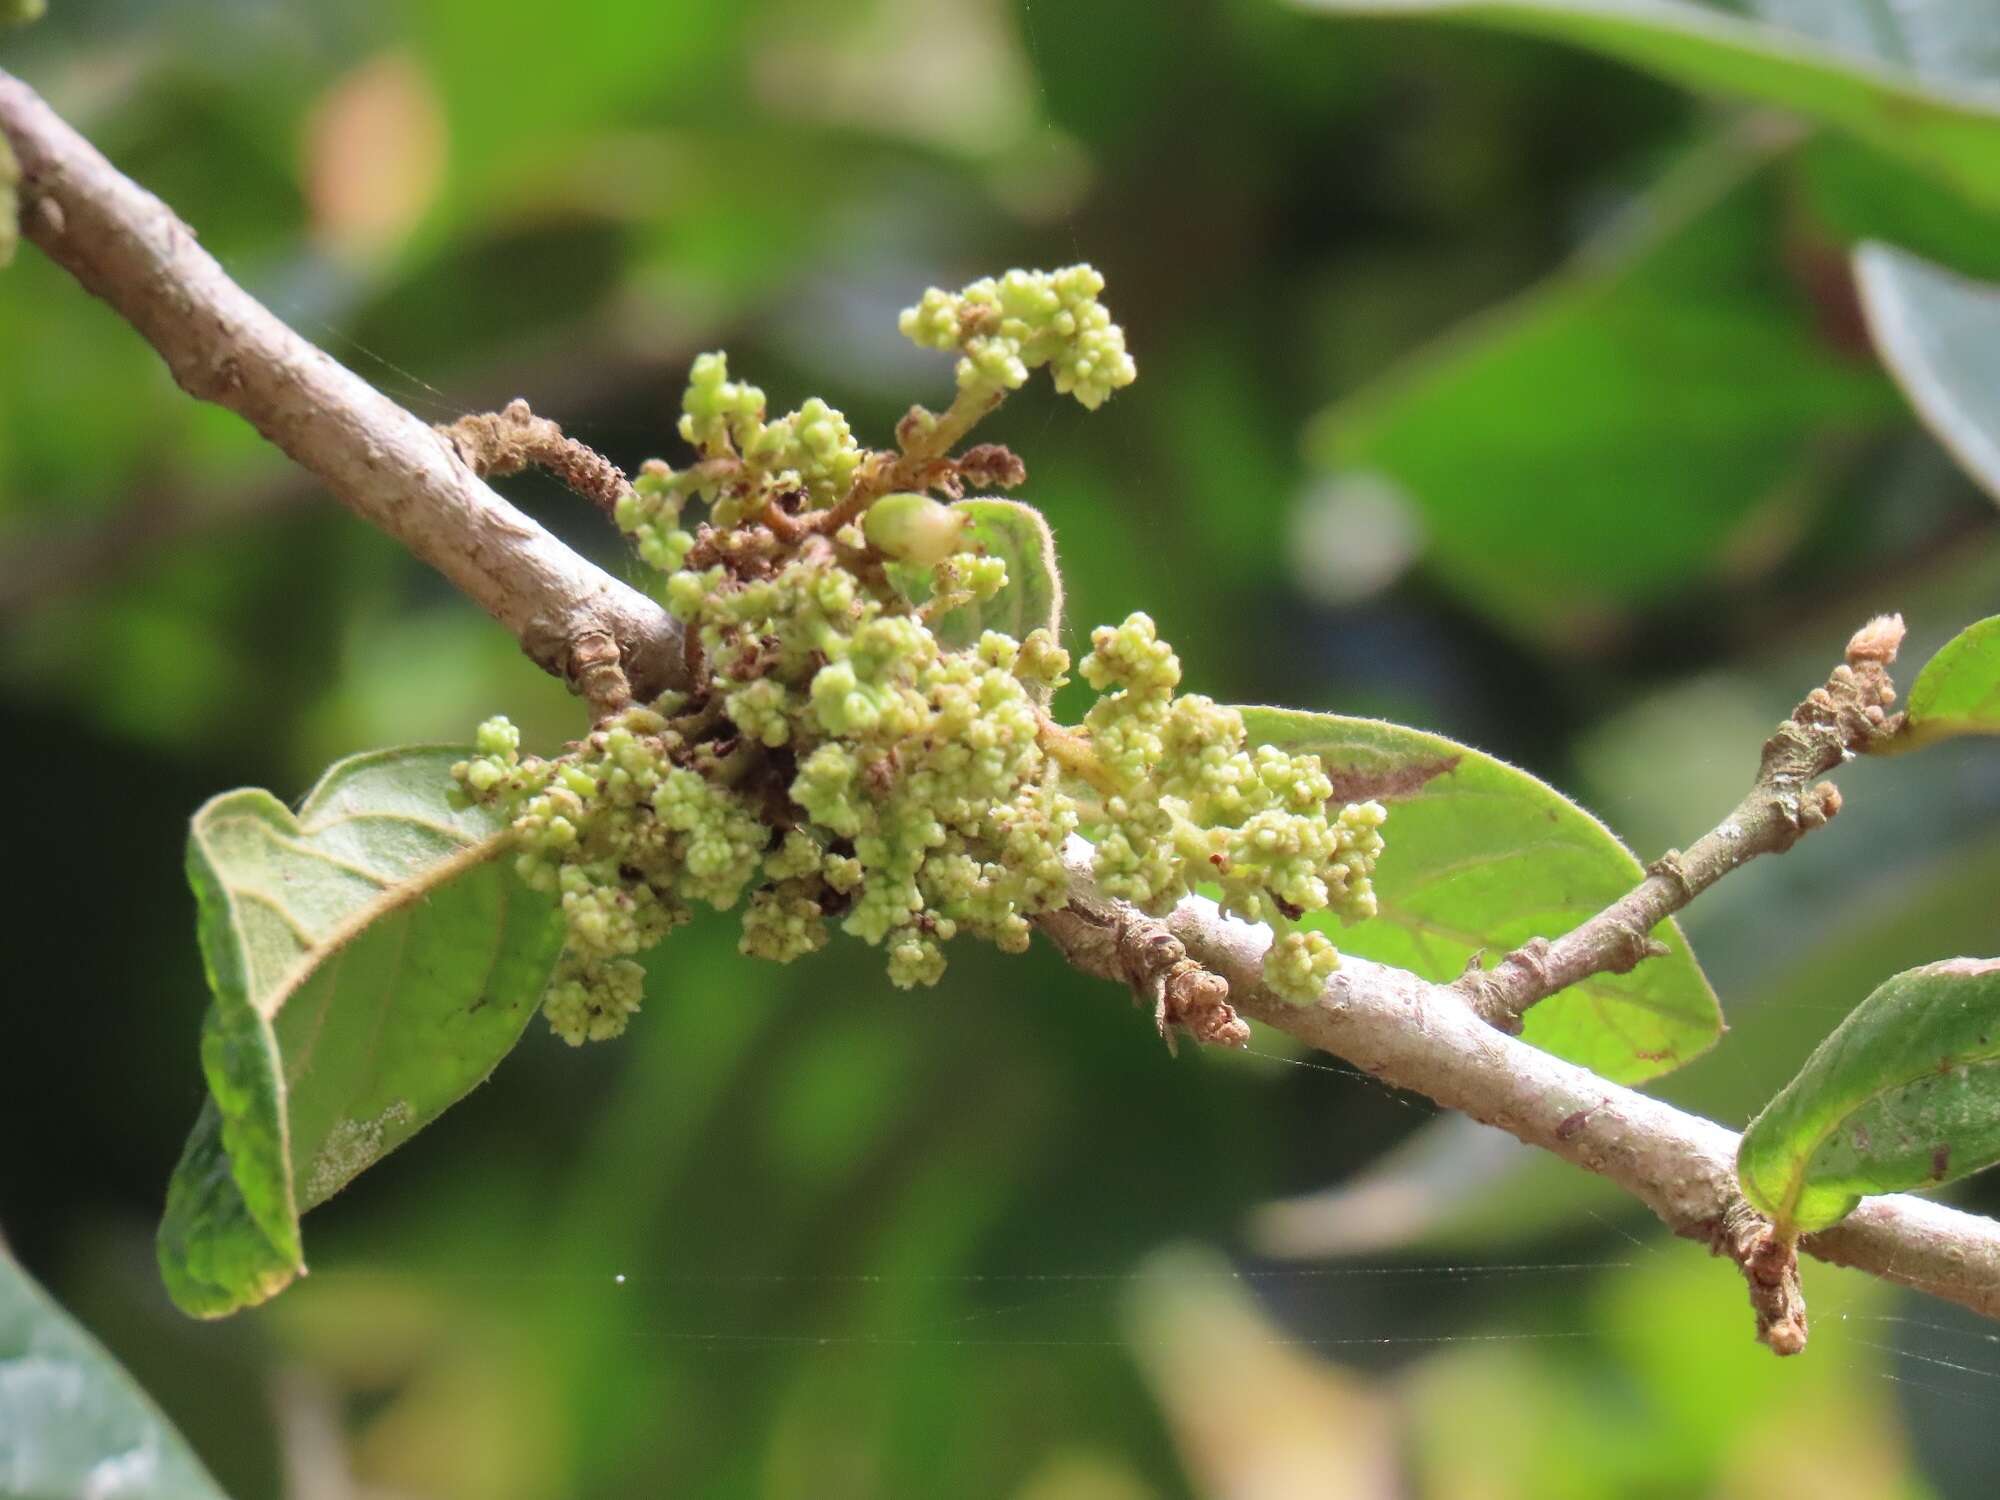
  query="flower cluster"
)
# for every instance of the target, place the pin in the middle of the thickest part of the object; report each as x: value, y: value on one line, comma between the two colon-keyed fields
x: 1189, y: 802
x: 1004, y: 328
x: 832, y: 763
x: 723, y: 419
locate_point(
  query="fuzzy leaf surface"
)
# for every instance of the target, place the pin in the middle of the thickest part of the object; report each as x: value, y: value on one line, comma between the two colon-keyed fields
x: 372, y: 958
x: 1480, y: 856
x: 1032, y: 600
x: 1904, y: 1094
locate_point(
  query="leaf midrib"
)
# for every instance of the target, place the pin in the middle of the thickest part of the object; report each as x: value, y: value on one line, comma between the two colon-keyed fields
x: 349, y: 927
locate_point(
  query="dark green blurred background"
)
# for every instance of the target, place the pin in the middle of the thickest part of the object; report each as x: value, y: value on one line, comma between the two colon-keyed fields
x: 1483, y: 386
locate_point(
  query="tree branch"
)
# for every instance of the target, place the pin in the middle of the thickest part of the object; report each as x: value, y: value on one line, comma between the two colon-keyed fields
x: 1424, y: 1037
x: 1843, y: 718
x: 381, y: 462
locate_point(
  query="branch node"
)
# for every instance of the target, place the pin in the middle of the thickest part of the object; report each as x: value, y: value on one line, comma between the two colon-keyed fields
x: 1671, y: 868
x: 597, y: 672
x: 1114, y: 941
x: 1770, y: 1266
x: 1184, y: 996
x: 496, y: 444
x: 1818, y: 806
x: 1490, y: 992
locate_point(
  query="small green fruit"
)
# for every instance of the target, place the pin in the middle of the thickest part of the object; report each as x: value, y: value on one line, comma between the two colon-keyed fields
x: 914, y: 528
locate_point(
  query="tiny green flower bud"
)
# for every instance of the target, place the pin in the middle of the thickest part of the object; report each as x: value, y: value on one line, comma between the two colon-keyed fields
x: 498, y: 736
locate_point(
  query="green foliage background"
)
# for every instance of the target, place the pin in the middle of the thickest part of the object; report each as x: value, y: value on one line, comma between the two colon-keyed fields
x: 1485, y: 385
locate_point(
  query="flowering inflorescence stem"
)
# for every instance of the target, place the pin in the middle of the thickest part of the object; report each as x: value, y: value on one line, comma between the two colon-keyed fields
x: 832, y: 759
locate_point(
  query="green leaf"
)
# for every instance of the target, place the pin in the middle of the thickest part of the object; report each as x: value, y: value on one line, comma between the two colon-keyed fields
x: 1904, y: 1094
x: 1938, y: 333
x: 1481, y: 857
x: 72, y: 1422
x: 1847, y: 193
x: 371, y: 960
x: 1032, y: 600
x: 1958, y: 691
x: 1597, y: 443
x: 521, y: 116
x: 1911, y: 78
x: 1451, y: 1186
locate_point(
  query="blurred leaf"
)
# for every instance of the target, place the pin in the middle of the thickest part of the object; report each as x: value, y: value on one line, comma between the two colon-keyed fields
x: 20, y: 12
x: 1481, y: 857
x: 948, y: 72
x: 1074, y: 1475
x: 1598, y: 442
x: 1501, y: 1420
x: 1649, y: 1386
x: 1958, y: 691
x: 1250, y: 1413
x: 1938, y: 333
x: 10, y: 203
x: 523, y: 116
x: 1911, y: 78
x: 72, y: 1422
x: 1453, y: 1185
x: 452, y: 666
x: 374, y: 156
x: 1850, y: 192
x: 1718, y: 1407
x: 371, y: 961
x: 1904, y: 1094
x: 1032, y: 600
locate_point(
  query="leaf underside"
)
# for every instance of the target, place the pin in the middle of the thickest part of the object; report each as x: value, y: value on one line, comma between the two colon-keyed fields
x: 1479, y: 858
x: 1904, y: 1094
x: 371, y: 960
x: 72, y: 1421
x: 1937, y: 332
x: 1912, y: 79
